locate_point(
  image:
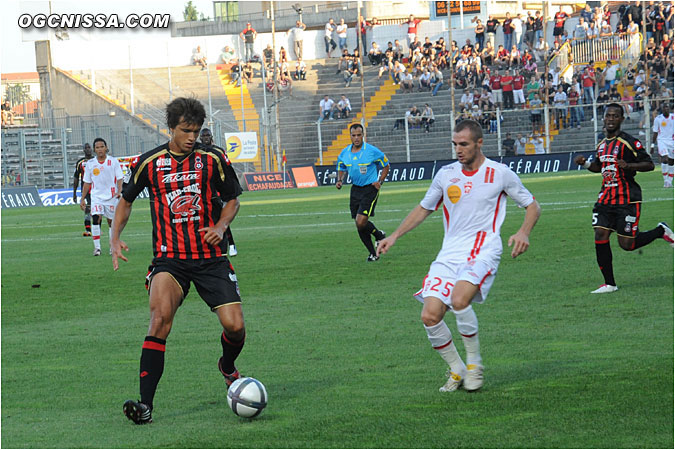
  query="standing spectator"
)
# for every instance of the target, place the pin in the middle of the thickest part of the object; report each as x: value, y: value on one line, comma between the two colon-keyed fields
x: 428, y: 117
x: 328, y: 37
x: 540, y: 50
x: 198, y: 59
x: 344, y: 107
x: 575, y: 109
x: 580, y: 30
x: 560, y: 103
x: 342, y: 34
x: 520, y: 144
x: 411, y: 23
x: 507, y: 29
x: 635, y: 13
x: 326, y: 108
x: 436, y: 81
x: 248, y: 35
x: 517, y: 25
x: 560, y: 18
x: 491, y: 29
x: 508, y: 145
x: 300, y: 70
x: 507, y: 90
x: 363, y: 27
x: 496, y: 86
x: 538, y: 25
x: 587, y: 82
x: 538, y: 142
x: 479, y: 30
x: 532, y: 88
x: 268, y: 57
x: 518, y: 83
x: 535, y: 112
x: 297, y: 32
x: 529, y: 32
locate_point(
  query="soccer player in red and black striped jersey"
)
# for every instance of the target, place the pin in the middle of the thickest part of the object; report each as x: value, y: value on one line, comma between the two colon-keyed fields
x: 619, y: 157
x: 193, y: 199
x: 78, y: 180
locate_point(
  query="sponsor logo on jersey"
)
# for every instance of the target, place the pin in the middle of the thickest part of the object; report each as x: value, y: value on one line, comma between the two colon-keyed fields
x: 454, y: 180
x: 163, y: 162
x: 454, y: 193
x: 180, y: 176
x: 191, y: 188
x: 186, y: 205
x: 630, y: 219
x: 96, y: 171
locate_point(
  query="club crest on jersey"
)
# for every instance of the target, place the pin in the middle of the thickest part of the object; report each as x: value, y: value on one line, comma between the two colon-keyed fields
x: 454, y: 193
x: 198, y: 162
x: 638, y: 145
x: 467, y: 187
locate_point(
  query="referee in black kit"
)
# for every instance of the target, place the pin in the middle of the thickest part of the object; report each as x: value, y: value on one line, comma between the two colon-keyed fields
x: 361, y: 161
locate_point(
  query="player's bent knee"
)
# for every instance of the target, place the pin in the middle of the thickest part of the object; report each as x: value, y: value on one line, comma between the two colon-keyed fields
x: 430, y: 318
x: 627, y: 244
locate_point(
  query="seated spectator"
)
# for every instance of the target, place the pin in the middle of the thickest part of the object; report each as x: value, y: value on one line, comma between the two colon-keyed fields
x: 427, y: 47
x: 530, y: 68
x: 344, y: 107
x: 466, y: 101
x: 235, y: 76
x: 248, y: 72
x: 407, y: 82
x: 414, y: 117
x: 285, y: 84
x: 326, y: 107
x: 343, y: 61
x: 351, y: 71
x: 198, y: 58
x: 399, y: 70
x: 485, y: 101
x: 300, y: 70
x: 398, y: 50
x: 268, y: 57
x: 425, y: 81
x: 514, y: 57
x: 283, y: 56
x: 284, y: 69
x: 436, y: 81
x: 476, y: 113
x: 228, y: 56
x: 541, y: 49
x: 519, y: 145
x: 415, y: 45
x: 502, y: 57
x: 487, y: 54
x: 427, y: 117
x: 7, y: 113
x: 532, y: 88
x: 375, y: 54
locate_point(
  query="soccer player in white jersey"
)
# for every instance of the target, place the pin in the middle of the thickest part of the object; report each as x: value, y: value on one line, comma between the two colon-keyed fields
x: 663, y: 136
x: 103, y: 177
x: 472, y: 192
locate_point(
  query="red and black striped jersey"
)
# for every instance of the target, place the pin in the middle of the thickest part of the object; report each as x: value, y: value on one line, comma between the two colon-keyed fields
x: 79, y: 169
x: 618, y: 185
x: 185, y: 195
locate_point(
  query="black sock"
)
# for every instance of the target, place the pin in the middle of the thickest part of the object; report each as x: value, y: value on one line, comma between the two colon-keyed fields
x: 366, y: 239
x: 152, y: 366
x: 231, y: 350
x: 603, y: 253
x: 228, y: 234
x: 374, y: 231
x: 646, y: 237
x: 87, y: 225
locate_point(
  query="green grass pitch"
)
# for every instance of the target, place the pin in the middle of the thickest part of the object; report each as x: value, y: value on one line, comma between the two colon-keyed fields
x: 337, y: 341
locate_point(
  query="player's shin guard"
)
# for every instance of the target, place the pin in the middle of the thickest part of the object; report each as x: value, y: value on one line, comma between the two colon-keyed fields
x: 441, y: 340
x: 231, y: 350
x: 152, y: 367
x: 367, y: 239
x: 96, y: 235
x: 603, y: 254
x: 646, y: 237
x: 467, y: 324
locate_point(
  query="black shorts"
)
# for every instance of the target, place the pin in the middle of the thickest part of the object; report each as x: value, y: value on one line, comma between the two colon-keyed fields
x: 363, y: 200
x: 558, y: 31
x: 213, y: 278
x: 624, y: 219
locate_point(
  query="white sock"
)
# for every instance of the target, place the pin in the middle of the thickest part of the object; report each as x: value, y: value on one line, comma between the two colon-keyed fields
x: 670, y: 174
x: 96, y: 236
x: 665, y: 171
x: 441, y: 340
x: 467, y: 324
x: 109, y: 234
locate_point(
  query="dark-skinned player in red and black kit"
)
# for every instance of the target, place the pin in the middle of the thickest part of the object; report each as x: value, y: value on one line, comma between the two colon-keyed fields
x: 619, y: 157
x: 193, y: 199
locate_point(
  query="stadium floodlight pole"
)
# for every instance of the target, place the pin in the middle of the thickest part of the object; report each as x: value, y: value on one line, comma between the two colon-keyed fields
x: 276, y: 90
x: 359, y: 40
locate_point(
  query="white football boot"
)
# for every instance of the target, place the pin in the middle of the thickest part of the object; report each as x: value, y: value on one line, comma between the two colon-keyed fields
x: 454, y: 381
x: 668, y: 234
x: 233, y: 250
x: 474, y: 377
x: 605, y: 289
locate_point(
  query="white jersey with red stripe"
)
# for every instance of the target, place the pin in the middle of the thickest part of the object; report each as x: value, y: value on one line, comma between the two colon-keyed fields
x: 103, y: 178
x: 474, y: 208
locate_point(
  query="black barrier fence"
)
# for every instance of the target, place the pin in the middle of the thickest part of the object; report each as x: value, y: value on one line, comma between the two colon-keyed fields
x: 425, y: 170
x: 20, y: 197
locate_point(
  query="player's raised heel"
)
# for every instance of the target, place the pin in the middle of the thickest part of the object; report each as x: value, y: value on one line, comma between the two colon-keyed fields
x: 137, y: 412
x: 668, y: 235
x: 454, y: 382
x: 474, y: 377
x: 229, y: 377
x: 605, y: 289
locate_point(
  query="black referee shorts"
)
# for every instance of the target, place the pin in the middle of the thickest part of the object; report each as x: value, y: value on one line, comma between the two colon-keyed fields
x: 213, y: 278
x: 363, y: 200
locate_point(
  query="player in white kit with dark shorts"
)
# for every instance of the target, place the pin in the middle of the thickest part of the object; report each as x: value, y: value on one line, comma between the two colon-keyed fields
x: 472, y: 193
x: 103, y: 177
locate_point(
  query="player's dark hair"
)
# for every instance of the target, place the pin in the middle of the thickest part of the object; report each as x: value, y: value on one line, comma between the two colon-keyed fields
x: 473, y: 126
x: 204, y: 130
x: 190, y: 110
x: 355, y: 125
x: 614, y: 105
x: 100, y: 140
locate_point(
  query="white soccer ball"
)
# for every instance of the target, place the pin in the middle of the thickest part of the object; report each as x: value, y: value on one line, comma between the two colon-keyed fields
x: 247, y: 397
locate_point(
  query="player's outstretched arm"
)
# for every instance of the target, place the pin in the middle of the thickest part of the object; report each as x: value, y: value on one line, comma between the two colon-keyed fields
x: 521, y: 240
x: 416, y: 217
x: 213, y: 235
x: 122, y: 213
